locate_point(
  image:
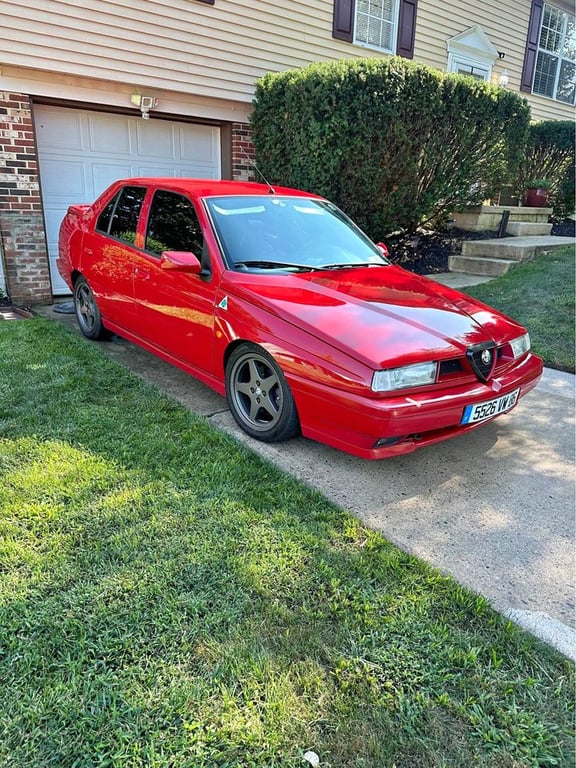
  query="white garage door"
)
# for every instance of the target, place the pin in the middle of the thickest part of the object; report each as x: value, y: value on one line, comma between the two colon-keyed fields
x: 80, y: 153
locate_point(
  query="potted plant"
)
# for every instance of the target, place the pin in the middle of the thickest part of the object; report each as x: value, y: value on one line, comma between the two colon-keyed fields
x: 537, y: 192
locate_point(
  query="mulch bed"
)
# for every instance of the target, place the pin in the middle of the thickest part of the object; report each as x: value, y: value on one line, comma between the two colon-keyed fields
x: 427, y: 251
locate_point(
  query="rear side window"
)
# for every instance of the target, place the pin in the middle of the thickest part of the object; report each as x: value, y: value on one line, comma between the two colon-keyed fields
x: 120, y: 217
x: 173, y: 225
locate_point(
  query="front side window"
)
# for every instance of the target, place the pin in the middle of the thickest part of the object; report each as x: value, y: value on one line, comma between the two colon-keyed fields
x: 555, y: 70
x: 173, y: 225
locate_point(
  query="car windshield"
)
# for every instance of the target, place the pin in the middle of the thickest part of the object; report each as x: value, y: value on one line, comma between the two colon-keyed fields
x: 289, y: 233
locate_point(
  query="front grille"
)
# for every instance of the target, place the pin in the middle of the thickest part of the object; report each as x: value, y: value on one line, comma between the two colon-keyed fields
x: 449, y: 367
x: 459, y: 369
x: 482, y: 359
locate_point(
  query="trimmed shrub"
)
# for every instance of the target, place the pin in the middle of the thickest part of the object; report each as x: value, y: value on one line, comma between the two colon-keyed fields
x: 392, y: 142
x: 550, y: 155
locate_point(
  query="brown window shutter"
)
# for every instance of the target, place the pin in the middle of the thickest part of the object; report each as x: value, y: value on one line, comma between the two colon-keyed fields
x: 343, y: 21
x: 532, y: 45
x: 406, y: 28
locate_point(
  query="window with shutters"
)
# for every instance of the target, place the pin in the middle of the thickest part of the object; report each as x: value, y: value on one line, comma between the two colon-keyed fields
x: 376, y: 22
x: 555, y: 69
x: 384, y: 25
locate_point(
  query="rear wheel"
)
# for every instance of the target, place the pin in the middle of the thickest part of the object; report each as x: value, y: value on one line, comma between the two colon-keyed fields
x: 87, y: 312
x: 259, y: 396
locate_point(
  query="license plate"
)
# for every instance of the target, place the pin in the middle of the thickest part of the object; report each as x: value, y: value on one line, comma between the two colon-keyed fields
x: 489, y: 408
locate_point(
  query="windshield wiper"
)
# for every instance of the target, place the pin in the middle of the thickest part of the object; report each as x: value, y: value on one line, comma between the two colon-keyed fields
x: 281, y: 265
x: 352, y: 266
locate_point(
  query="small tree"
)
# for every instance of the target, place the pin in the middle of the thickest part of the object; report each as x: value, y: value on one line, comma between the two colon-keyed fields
x: 549, y: 155
x: 392, y: 142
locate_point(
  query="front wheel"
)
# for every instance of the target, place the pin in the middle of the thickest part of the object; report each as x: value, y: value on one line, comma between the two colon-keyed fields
x: 87, y: 312
x: 259, y: 396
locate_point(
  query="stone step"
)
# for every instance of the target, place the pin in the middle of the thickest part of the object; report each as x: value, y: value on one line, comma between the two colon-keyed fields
x: 479, y: 265
x: 515, y: 248
x: 528, y: 228
x: 488, y: 217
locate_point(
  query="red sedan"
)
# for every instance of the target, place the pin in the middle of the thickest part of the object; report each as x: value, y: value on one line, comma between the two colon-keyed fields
x: 275, y: 299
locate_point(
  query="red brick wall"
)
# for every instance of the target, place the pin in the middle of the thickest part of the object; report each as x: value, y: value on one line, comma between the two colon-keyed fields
x: 243, y: 154
x: 21, y: 218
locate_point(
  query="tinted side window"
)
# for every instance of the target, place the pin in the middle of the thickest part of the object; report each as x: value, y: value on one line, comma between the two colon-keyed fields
x: 173, y: 225
x: 124, y: 218
x: 103, y: 223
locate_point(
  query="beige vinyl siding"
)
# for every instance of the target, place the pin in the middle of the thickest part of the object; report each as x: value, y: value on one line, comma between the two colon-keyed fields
x: 216, y: 51
x: 505, y: 24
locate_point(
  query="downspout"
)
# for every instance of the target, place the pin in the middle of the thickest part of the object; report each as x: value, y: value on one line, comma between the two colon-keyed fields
x: 3, y: 288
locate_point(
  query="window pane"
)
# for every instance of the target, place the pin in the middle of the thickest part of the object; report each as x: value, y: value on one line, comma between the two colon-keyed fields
x: 375, y: 22
x: 374, y: 31
x: 567, y: 82
x: 173, y: 225
x: 551, y: 34
x: 554, y: 73
x: 569, y: 47
x: 545, y: 74
x: 125, y: 218
x: 104, y: 219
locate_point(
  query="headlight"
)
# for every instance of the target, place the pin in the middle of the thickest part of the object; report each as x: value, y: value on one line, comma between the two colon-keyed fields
x: 408, y: 376
x: 520, y: 345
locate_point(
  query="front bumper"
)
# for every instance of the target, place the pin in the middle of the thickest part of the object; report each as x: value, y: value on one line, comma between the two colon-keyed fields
x: 355, y: 424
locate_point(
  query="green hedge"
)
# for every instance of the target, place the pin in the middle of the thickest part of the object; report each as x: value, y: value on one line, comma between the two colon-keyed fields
x: 392, y: 142
x: 550, y: 155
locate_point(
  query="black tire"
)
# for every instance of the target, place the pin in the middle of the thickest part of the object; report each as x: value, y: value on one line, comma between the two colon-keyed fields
x: 87, y: 312
x: 259, y: 396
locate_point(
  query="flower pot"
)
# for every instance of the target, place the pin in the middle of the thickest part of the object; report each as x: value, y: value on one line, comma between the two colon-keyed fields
x: 536, y: 197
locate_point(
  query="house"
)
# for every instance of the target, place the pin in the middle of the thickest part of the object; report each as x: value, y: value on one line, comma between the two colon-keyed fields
x: 95, y: 90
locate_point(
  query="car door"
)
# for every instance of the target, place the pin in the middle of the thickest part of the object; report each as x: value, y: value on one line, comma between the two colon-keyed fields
x: 175, y: 309
x: 109, y: 253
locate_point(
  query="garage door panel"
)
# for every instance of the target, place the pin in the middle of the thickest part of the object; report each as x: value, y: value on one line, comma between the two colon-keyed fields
x: 103, y: 174
x: 81, y: 153
x: 109, y: 135
x: 52, y: 219
x: 63, y: 178
x: 59, y: 131
x: 156, y: 139
x: 205, y: 146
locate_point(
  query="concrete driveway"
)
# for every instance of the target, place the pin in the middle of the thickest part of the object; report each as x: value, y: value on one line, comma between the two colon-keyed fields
x: 494, y: 508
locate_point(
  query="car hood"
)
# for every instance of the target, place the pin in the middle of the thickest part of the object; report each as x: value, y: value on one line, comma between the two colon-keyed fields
x: 380, y: 315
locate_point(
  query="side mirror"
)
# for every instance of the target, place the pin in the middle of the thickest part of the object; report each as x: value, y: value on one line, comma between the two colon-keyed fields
x: 183, y: 261
x: 383, y: 248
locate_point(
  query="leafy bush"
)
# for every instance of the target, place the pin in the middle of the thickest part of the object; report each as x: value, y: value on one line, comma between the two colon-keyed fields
x: 392, y: 142
x: 550, y: 155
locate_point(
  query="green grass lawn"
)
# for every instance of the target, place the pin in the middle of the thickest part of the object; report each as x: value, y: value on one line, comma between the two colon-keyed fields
x: 170, y: 600
x: 540, y: 295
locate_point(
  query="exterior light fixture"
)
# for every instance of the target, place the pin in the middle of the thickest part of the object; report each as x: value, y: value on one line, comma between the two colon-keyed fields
x: 501, y: 54
x: 146, y: 103
x: 504, y: 77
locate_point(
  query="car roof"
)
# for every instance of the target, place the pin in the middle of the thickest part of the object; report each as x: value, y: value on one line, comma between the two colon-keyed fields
x: 214, y: 187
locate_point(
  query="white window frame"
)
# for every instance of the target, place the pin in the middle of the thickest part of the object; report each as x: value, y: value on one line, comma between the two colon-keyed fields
x: 542, y: 52
x: 483, y: 67
x: 394, y: 24
x: 472, y: 48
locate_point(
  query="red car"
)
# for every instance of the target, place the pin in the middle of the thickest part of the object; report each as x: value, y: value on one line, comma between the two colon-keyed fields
x: 274, y: 298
